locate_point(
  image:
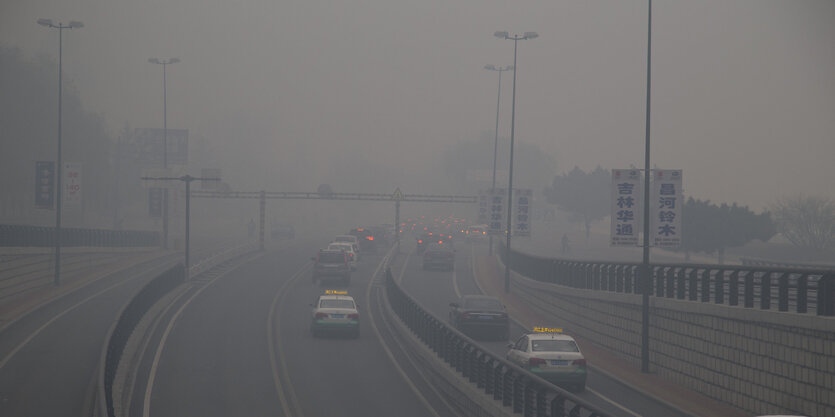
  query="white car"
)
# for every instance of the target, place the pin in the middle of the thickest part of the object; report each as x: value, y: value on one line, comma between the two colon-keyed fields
x: 550, y: 355
x: 335, y: 311
x: 351, y: 239
x: 348, y: 249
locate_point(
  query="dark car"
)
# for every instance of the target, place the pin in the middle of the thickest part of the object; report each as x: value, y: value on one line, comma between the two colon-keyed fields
x: 366, y: 239
x: 331, y: 264
x: 480, y: 315
x: 282, y: 230
x: 432, y: 237
x: 439, y: 255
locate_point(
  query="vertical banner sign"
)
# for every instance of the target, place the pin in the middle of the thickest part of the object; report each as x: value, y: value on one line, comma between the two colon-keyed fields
x: 497, y: 208
x: 72, y: 184
x: 626, y: 186
x: 44, y: 184
x: 483, y: 214
x: 155, y: 202
x: 523, y: 207
x: 665, y: 205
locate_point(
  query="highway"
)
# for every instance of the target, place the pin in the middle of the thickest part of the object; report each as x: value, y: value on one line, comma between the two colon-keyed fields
x: 236, y: 341
x: 239, y: 343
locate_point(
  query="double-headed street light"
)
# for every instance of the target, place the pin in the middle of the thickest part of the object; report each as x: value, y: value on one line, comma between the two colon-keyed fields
x: 509, y: 229
x: 496, y: 140
x: 72, y: 25
x: 164, y: 62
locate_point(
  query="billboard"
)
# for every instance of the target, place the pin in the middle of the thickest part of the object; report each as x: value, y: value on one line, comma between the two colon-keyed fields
x: 150, y: 142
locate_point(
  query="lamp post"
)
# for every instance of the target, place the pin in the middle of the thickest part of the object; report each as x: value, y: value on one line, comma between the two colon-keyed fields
x: 73, y: 24
x: 164, y: 62
x: 496, y: 140
x: 508, y: 231
x: 647, y: 273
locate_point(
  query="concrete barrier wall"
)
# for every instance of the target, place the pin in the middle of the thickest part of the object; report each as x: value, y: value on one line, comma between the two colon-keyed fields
x: 763, y: 362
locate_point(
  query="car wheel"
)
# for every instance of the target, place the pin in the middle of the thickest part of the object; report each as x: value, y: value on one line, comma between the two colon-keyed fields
x: 504, y: 335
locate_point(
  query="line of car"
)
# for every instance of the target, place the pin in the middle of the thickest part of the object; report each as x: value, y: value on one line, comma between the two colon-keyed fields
x: 335, y: 311
x: 545, y: 352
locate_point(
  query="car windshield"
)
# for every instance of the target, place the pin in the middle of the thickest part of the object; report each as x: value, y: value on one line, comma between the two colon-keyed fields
x: 340, y: 247
x: 485, y: 303
x: 554, y: 346
x: 335, y: 303
x: 331, y: 257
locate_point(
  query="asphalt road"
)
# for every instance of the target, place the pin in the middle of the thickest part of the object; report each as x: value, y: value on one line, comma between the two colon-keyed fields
x: 436, y: 289
x: 48, y: 358
x: 242, y: 346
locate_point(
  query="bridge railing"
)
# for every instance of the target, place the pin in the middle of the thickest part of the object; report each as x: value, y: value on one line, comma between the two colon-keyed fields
x: 515, y: 387
x: 28, y: 236
x: 800, y: 290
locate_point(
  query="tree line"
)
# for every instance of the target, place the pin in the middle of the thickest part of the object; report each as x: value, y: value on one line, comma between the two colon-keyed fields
x: 806, y: 221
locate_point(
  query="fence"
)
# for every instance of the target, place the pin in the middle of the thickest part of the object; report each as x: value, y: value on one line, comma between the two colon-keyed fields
x: 517, y: 388
x: 27, y: 236
x: 784, y: 289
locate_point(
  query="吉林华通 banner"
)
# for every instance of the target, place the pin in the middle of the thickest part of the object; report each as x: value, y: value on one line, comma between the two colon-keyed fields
x: 496, y: 211
x: 626, y: 191
x: 665, y: 208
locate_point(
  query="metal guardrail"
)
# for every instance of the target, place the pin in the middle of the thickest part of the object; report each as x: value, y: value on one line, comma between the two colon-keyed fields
x: 517, y: 388
x: 800, y: 290
x: 27, y: 236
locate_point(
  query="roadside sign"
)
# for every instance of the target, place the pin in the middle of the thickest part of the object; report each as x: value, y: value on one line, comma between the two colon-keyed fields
x: 44, y: 184
x: 626, y: 191
x: 72, y: 184
x: 397, y: 196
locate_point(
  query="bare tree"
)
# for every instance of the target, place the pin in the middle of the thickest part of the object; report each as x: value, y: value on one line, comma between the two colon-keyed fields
x: 808, y: 222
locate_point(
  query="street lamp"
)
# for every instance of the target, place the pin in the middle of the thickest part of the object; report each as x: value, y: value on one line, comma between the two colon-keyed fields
x: 515, y: 38
x: 496, y: 140
x: 73, y: 24
x: 164, y: 62
x: 647, y: 273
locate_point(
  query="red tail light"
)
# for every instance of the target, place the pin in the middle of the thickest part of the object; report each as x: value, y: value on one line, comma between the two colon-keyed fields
x: 420, y: 241
x: 354, y: 316
x: 370, y: 237
x: 321, y: 315
x: 465, y: 316
x: 579, y: 362
x: 536, y: 361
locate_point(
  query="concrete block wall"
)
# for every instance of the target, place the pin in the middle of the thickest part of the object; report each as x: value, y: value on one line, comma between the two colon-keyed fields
x: 763, y: 362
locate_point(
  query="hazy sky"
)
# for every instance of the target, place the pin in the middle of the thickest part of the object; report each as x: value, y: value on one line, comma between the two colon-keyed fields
x: 743, y: 91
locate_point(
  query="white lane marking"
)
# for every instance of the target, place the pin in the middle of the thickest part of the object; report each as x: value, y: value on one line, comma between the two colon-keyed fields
x: 455, y: 285
x: 273, y: 326
x: 62, y: 314
x: 146, y: 404
x: 390, y: 355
